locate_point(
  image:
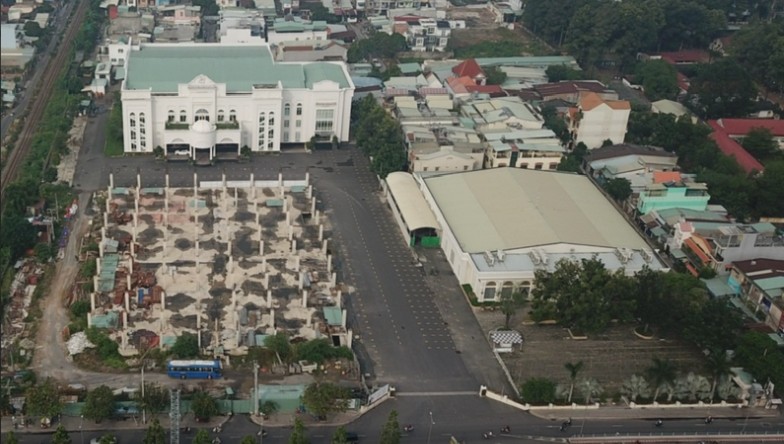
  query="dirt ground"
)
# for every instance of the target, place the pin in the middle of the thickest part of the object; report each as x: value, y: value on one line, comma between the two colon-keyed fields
x: 610, y: 358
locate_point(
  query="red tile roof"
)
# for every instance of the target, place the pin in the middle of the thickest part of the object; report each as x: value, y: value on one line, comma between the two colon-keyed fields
x: 683, y: 82
x: 666, y: 176
x: 732, y: 148
x: 468, y: 68
x: 686, y: 56
x: 493, y: 90
x: 741, y: 127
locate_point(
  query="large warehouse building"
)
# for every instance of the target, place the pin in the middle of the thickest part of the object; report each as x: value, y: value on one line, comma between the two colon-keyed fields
x: 205, y: 100
x: 498, y: 226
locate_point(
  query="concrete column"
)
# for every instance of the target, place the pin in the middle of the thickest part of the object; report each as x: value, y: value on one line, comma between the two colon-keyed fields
x: 293, y: 245
x: 167, y: 181
x: 321, y: 232
x: 198, y: 327
x: 252, y: 188
x: 309, y: 192
x: 128, y: 280
x: 105, y: 219
x: 89, y: 320
x: 297, y: 260
x: 307, y: 178
x: 136, y: 202
x: 133, y: 245
x: 339, y: 298
x: 301, y: 283
x: 313, y: 206
x: 269, y: 299
x: 317, y: 215
x: 109, y: 200
x: 130, y: 267
x: 95, y: 282
x: 195, y: 189
x: 230, y: 267
x: 103, y: 232
x: 236, y: 199
x: 329, y: 263
x: 166, y: 216
x: 111, y: 182
x: 344, y: 312
x: 98, y: 264
x: 272, y: 319
x: 138, y: 181
x: 288, y: 219
x: 163, y: 300
x: 263, y: 260
x: 228, y: 244
x: 266, y: 280
x: 100, y: 247
x: 92, y: 301
x: 309, y: 320
x: 124, y: 341
x: 324, y: 246
x: 280, y: 182
x: 124, y: 320
x: 349, y: 338
x: 305, y: 298
x: 333, y: 280
x: 127, y: 301
x: 135, y: 222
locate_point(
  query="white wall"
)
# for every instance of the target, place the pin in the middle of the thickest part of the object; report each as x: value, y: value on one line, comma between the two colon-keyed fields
x: 602, y: 123
x: 275, y: 38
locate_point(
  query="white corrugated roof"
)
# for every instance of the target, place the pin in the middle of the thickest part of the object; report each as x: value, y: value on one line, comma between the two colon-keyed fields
x: 510, y: 208
x: 415, y: 211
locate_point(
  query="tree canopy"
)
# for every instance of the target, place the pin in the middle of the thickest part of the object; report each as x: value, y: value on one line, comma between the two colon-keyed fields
x: 658, y: 78
x: 558, y: 73
x: 99, y: 404
x: 61, y: 436
x: 759, y: 142
x: 155, y: 433
x: 538, y: 391
x: 379, y: 136
x: 298, y: 434
x: 760, y: 48
x: 619, y: 188
x: 186, y: 346
x: 203, y: 405
x: 722, y: 89
x: 324, y: 398
x: 390, y: 434
x: 43, y: 399
x: 379, y: 45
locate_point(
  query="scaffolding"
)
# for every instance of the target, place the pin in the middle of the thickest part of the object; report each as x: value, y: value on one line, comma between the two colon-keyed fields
x: 174, y: 416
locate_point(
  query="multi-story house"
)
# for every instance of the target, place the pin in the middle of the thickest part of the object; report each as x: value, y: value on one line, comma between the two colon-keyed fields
x: 761, y: 283
x: 425, y: 34
x: 205, y: 100
x: 732, y: 243
x: 595, y: 120
x: 671, y: 189
x: 283, y: 30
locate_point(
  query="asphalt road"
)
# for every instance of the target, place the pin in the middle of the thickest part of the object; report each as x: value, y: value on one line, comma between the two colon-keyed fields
x: 58, y: 22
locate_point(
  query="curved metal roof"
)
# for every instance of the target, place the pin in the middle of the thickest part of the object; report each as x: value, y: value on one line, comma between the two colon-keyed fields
x: 414, y: 210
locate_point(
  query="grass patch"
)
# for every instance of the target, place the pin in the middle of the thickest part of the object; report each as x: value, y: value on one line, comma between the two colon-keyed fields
x: 114, y: 132
x: 498, y: 42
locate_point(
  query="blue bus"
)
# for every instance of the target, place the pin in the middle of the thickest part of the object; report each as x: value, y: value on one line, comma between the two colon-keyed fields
x: 194, y: 369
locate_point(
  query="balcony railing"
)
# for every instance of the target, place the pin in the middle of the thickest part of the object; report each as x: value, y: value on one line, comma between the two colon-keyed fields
x: 227, y: 125
x: 177, y: 126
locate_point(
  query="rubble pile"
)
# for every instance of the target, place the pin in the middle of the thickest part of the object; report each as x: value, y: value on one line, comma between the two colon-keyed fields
x: 77, y: 343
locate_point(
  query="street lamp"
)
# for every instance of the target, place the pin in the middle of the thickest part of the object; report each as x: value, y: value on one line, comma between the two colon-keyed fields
x: 81, y: 429
x: 144, y: 409
x: 430, y: 429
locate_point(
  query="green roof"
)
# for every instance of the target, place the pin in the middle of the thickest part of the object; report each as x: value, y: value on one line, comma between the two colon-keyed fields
x: 333, y: 315
x: 162, y: 68
x: 410, y: 68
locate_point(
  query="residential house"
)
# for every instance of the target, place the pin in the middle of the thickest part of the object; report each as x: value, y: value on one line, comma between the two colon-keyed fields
x: 180, y: 15
x: 13, y: 53
x: 732, y: 243
x: 290, y: 29
x: 519, y: 152
x: 444, y: 149
x: 622, y: 160
x: 241, y: 26
x: 730, y: 147
x: 502, y: 113
x: 570, y: 91
x: 671, y: 189
x: 673, y: 108
x: 761, y: 283
x: 595, y: 120
x: 310, y: 51
x: 424, y: 34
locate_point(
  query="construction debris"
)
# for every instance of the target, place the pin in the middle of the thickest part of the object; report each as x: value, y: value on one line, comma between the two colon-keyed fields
x: 77, y: 343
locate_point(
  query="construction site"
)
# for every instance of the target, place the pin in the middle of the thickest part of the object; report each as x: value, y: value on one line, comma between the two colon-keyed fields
x: 228, y: 261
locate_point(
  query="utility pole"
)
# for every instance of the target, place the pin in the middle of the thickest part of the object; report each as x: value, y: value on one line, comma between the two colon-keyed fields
x: 430, y: 429
x: 174, y: 415
x: 255, y: 388
x: 144, y: 403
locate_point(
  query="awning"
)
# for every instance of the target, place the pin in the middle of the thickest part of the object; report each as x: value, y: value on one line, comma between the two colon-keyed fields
x: 506, y: 337
x: 416, y: 213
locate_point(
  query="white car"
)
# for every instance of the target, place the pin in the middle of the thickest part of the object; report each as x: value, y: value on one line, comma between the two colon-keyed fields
x: 112, y: 440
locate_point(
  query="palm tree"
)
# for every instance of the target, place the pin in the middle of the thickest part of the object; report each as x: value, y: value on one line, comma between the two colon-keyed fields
x: 727, y: 389
x: 661, y: 373
x: 574, y: 370
x: 589, y: 388
x: 635, y: 387
x: 717, y: 365
x: 693, y: 387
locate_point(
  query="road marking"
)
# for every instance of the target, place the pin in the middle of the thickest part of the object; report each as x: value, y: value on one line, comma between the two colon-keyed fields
x: 422, y: 394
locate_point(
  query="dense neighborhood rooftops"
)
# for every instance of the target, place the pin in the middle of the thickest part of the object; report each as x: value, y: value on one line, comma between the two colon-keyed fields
x: 510, y: 208
x: 686, y: 56
x: 162, y: 67
x: 569, y: 87
x: 468, y: 68
x: 625, y: 149
x: 590, y: 100
x: 761, y: 267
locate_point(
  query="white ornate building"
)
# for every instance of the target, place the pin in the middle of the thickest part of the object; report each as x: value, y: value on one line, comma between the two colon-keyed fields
x: 204, y: 101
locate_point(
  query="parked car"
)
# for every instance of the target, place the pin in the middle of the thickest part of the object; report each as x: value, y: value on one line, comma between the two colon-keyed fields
x: 352, y: 437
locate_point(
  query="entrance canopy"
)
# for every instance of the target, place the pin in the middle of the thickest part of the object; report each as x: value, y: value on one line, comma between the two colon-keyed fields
x: 414, y: 210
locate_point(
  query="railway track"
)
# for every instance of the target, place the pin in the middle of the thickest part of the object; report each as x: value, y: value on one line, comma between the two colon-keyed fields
x: 53, y: 70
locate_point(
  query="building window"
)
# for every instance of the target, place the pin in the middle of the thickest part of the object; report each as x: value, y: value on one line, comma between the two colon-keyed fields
x: 183, y: 116
x: 299, y: 109
x: 298, y: 123
x: 524, y: 165
x: 262, y: 128
x: 142, y: 130
x: 286, y: 110
x: 142, y: 119
x: 133, y: 146
x: 143, y: 143
x: 538, y: 166
x: 285, y: 137
x: 221, y: 115
x: 324, y: 119
x: 507, y: 289
x: 133, y: 120
x: 425, y: 169
x: 170, y: 119
x: 271, y: 118
x: 133, y: 134
x: 489, y: 293
x: 232, y: 115
x: 465, y: 167
x: 297, y: 137
x: 202, y: 114
x: 285, y: 124
x: 553, y: 165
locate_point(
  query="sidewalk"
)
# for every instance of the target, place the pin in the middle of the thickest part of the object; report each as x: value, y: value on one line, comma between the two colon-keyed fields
x: 76, y: 423
x: 653, y: 413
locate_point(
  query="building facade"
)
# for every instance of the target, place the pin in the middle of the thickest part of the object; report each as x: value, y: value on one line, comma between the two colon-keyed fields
x: 204, y: 101
x: 596, y: 120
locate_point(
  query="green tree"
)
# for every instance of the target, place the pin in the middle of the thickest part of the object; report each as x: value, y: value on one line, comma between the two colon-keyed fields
x: 10, y: 438
x: 510, y: 303
x: 202, y: 437
x: 389, y: 159
x: 574, y: 369
x: 716, y: 325
x: 204, y: 406
x: 340, y: 436
x: 589, y: 388
x: 722, y: 89
x: 689, y: 24
x: 659, y: 79
x: 248, y: 440
x: 760, y: 356
x: 718, y: 365
x: 186, y: 346
x: 619, y: 188
x: 61, y: 436
x: 573, y: 160
x: 99, y: 404
x: 319, y: 12
x: 279, y: 344
x: 559, y: 73
x: 16, y: 233
x: 494, y: 76
x: 634, y: 387
x: 323, y: 398
x: 155, y: 399
x: 299, y: 434
x: 759, y: 142
x: 43, y: 399
x: 320, y: 350
x: 391, y: 432
x: 538, y: 391
x: 759, y: 47
x: 155, y: 433
x: 767, y: 191
x: 32, y: 29
x: 107, y: 439
x: 662, y: 372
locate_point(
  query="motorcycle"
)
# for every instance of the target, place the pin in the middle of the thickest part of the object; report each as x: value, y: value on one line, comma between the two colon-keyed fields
x: 488, y: 435
x: 409, y: 428
x: 708, y: 420
x: 506, y: 429
x: 659, y: 423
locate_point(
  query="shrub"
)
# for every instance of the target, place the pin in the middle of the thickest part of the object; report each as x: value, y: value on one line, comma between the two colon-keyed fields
x: 538, y: 391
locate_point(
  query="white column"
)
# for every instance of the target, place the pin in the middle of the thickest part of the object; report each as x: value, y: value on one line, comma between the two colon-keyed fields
x: 266, y: 280
x: 297, y: 260
x: 269, y: 299
x: 109, y: 200
x: 301, y: 283
x: 163, y: 300
x: 317, y: 214
x: 92, y: 301
x: 89, y: 320
x: 293, y: 245
x: 138, y: 181
x: 127, y: 301
x: 111, y: 182
x: 195, y: 190
x: 344, y: 312
x: 307, y: 178
x: 324, y: 246
x: 198, y: 328
x: 95, y: 282
x: 128, y: 280
x: 339, y: 298
x: 272, y: 319
x: 313, y: 206
x: 321, y: 232
x: 333, y: 279
x: 329, y: 263
x: 252, y: 188
x: 124, y: 321
x: 349, y: 338
x: 305, y: 298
